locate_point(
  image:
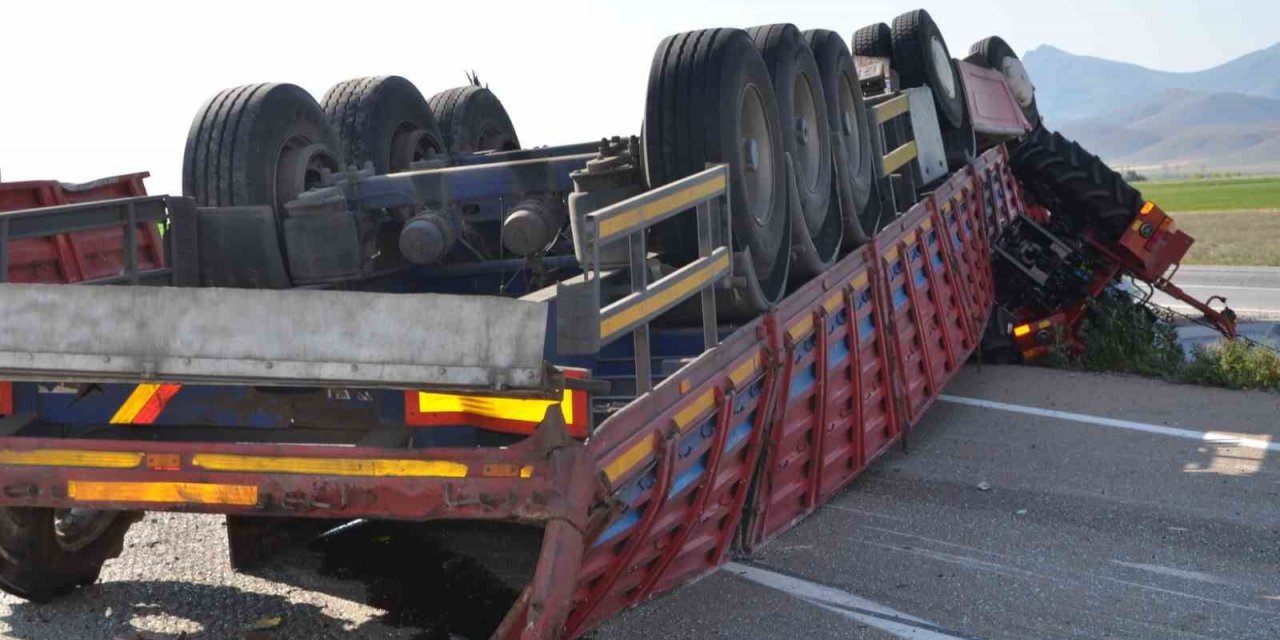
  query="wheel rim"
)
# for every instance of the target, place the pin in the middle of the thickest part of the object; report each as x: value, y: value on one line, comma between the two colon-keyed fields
x: 74, y: 529
x: 942, y: 65
x: 805, y: 110
x: 301, y: 166
x: 1019, y: 81
x: 849, y: 121
x: 756, y: 168
x: 490, y: 138
x: 410, y: 144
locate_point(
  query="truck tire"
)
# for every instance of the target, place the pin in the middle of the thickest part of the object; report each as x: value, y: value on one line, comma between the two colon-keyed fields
x: 873, y: 41
x: 802, y: 108
x: 39, y: 560
x: 258, y: 144
x: 921, y: 58
x: 848, y: 117
x: 383, y: 120
x: 960, y: 143
x: 710, y: 100
x: 472, y: 119
x: 1074, y: 184
x: 995, y: 53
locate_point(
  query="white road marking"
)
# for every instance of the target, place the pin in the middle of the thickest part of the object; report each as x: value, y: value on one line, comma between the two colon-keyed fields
x: 872, y: 614
x: 1198, y: 576
x: 874, y: 514
x: 1223, y: 286
x: 1254, y: 314
x: 951, y: 558
x: 1216, y: 438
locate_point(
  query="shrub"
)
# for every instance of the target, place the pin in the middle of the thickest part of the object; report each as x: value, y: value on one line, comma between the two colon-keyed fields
x: 1236, y: 365
x: 1123, y: 336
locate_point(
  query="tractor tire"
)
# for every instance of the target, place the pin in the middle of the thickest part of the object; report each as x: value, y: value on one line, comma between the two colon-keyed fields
x: 710, y: 100
x: 873, y: 41
x: 1075, y: 184
x: 38, y: 562
x: 921, y: 58
x: 994, y: 53
x: 383, y: 120
x: 243, y: 142
x: 849, y: 120
x: 472, y: 119
x: 802, y: 105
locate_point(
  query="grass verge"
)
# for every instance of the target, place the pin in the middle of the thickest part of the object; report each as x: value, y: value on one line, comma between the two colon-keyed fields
x: 1122, y: 336
x: 1232, y: 238
x: 1214, y: 195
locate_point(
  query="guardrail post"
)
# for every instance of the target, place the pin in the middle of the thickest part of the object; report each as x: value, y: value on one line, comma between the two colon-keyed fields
x: 4, y: 249
x: 708, y: 211
x: 131, y: 243
x: 640, y: 337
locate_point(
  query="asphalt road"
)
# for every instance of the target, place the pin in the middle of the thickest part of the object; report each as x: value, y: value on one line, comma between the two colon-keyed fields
x: 1135, y: 529
x: 1001, y: 522
x: 1254, y: 292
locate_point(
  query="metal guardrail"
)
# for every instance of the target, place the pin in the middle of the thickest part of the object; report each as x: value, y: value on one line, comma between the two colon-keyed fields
x: 893, y: 126
x: 884, y: 113
x: 707, y: 193
x: 129, y: 213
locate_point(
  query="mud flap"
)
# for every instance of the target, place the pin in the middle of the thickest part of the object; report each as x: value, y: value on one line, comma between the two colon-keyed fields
x: 239, y: 247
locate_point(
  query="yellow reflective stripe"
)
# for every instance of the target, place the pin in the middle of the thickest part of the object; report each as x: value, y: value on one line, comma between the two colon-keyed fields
x: 744, y: 370
x: 616, y: 322
x: 368, y: 467
x: 623, y: 222
x: 859, y: 281
x: 900, y: 156
x: 800, y: 329
x: 521, y: 409
x: 71, y: 458
x: 188, y: 492
x: 886, y: 111
x: 134, y: 403
x: 833, y: 303
x: 705, y: 402
x: 631, y: 458
x: 684, y: 417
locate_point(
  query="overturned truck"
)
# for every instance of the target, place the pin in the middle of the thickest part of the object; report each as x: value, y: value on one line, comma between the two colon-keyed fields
x: 652, y: 352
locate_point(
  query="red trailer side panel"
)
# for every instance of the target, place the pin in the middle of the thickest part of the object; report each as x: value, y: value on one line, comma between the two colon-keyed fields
x: 77, y: 256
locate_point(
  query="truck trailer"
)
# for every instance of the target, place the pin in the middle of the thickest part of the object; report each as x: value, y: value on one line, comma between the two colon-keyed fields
x: 650, y: 353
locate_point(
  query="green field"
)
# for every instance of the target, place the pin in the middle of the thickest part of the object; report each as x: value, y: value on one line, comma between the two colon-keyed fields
x: 1226, y: 194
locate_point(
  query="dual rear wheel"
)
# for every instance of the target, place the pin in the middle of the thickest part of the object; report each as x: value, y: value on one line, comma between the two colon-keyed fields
x: 263, y: 145
x: 763, y: 100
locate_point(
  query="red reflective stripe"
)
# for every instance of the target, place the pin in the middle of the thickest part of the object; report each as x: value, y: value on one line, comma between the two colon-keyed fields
x: 6, y: 398
x: 151, y: 410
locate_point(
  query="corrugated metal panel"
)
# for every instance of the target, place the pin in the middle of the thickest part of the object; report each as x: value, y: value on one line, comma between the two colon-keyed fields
x: 846, y: 365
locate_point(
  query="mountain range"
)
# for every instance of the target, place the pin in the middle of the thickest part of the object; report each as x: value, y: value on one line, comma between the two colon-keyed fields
x: 1226, y: 118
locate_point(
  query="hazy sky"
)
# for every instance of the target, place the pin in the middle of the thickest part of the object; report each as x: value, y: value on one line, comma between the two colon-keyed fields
x: 97, y: 88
